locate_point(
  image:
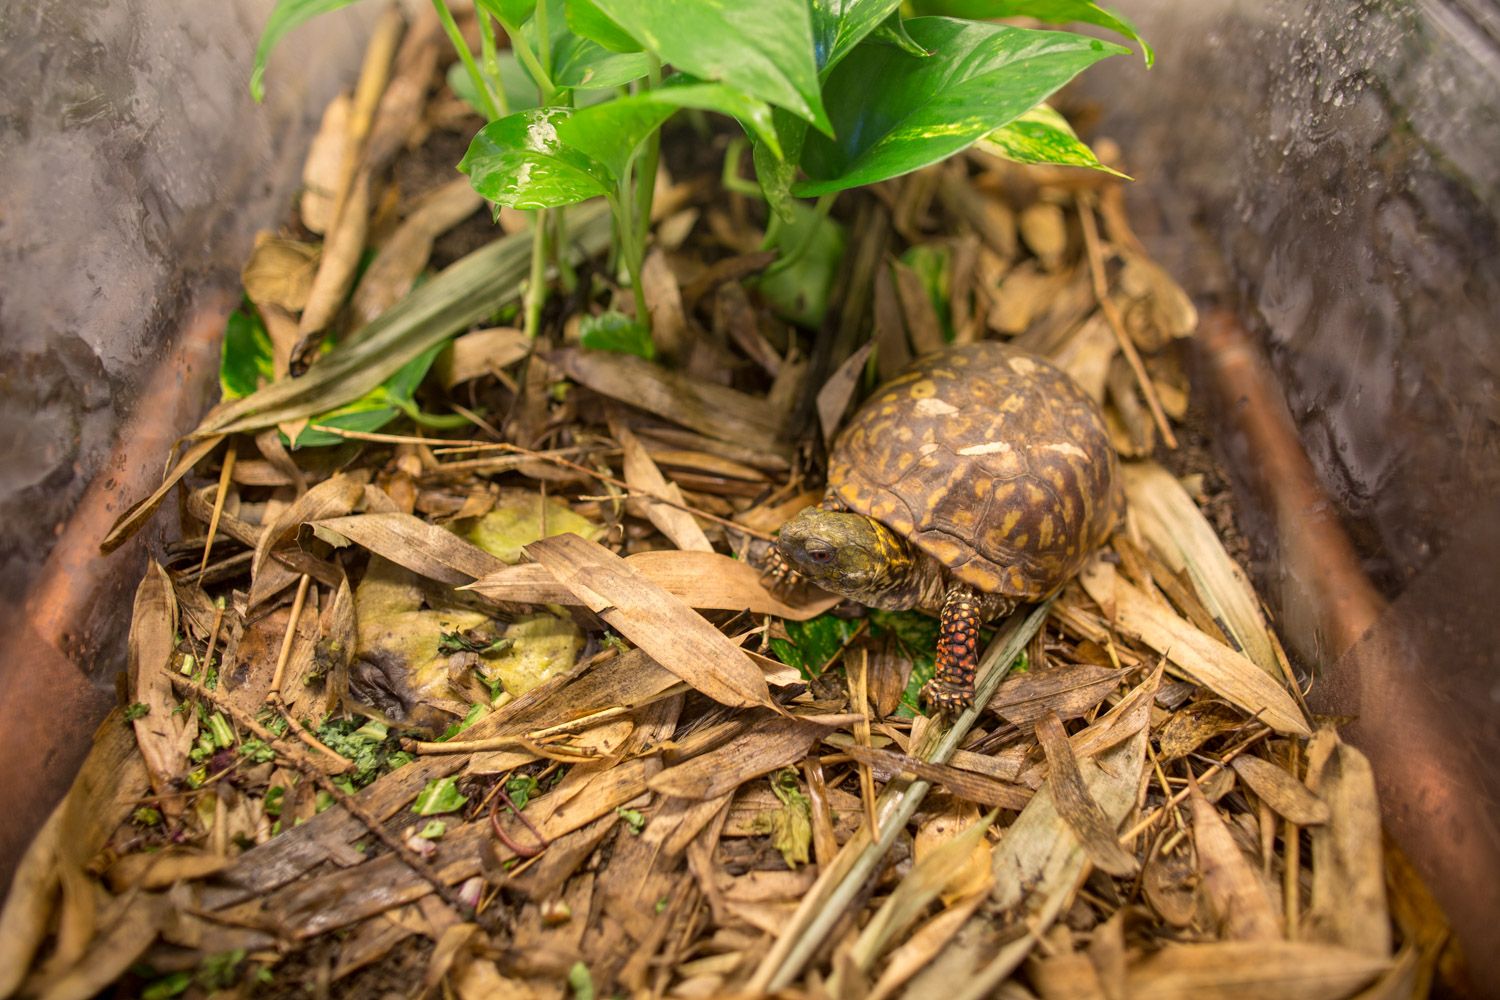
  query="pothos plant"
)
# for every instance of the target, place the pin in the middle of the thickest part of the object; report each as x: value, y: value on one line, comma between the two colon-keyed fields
x: 831, y: 94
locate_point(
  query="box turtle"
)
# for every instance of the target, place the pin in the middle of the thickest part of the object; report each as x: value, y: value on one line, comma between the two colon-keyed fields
x: 978, y: 478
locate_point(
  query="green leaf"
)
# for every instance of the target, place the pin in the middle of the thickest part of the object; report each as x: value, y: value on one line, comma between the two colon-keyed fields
x: 580, y: 982
x: 763, y: 49
x: 635, y: 820
x: 586, y: 19
x: 811, y: 644
x: 614, y: 331
x: 558, y: 156
x: 170, y: 985
x: 583, y: 64
x: 434, y: 830
x: 790, y: 826
x: 521, y: 788
x: 1042, y: 135
x: 894, y: 112
x: 441, y: 795
x: 1046, y: 11
x: 800, y: 291
x: 246, y: 356
x: 376, y: 408
x: 839, y: 25
x: 510, y: 13
x: 284, y: 17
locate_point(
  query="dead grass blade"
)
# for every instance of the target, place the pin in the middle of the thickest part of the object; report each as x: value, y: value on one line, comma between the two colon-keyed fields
x: 1093, y: 829
x: 119, y: 944
x: 924, y: 944
x: 1252, y: 970
x: 928, y: 878
x: 1205, y: 660
x: 674, y: 634
x: 1348, y: 892
x: 463, y: 294
x: 714, y: 410
x: 643, y: 475
x: 769, y: 745
x: 922, y: 324
x: 130, y: 521
x: 705, y: 580
x: 1282, y: 792
x: 1181, y: 537
x: 413, y: 543
x: 340, y: 260
x: 323, y: 168
x: 402, y: 258
x: 1234, y: 890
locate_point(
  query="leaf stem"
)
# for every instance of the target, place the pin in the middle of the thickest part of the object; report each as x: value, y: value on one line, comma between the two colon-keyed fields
x: 528, y: 59
x: 650, y: 159
x: 481, y: 86
x: 821, y: 210
x: 620, y: 202
x: 490, y: 53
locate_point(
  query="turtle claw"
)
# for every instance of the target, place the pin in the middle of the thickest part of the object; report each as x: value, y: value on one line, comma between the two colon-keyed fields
x: 944, y: 696
x: 777, y: 575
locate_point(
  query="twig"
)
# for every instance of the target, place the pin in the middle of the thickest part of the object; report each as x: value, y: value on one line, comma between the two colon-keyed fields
x: 213, y: 520
x: 1135, y: 831
x: 274, y: 694
x: 564, y: 463
x: 1116, y: 322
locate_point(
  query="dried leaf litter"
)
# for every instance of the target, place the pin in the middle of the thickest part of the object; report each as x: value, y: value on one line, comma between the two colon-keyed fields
x: 476, y: 707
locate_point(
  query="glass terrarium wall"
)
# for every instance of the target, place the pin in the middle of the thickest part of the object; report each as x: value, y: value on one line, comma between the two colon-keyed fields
x: 1330, y: 173
x: 136, y: 173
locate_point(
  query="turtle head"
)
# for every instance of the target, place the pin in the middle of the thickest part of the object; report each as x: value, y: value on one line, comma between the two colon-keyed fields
x: 848, y: 554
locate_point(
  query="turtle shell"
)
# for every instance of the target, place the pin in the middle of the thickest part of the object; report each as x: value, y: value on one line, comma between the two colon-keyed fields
x: 991, y: 460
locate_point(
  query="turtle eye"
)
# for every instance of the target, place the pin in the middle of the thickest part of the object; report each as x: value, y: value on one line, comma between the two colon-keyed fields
x: 820, y: 554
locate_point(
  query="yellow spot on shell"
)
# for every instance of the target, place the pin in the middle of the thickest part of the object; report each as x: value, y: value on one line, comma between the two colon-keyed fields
x: 1016, y: 581
x: 923, y: 389
x: 1012, y: 518
x: 1020, y: 540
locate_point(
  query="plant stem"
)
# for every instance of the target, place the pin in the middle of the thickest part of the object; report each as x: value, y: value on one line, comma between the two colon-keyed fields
x: 650, y: 159
x: 528, y: 59
x: 536, y: 288
x: 490, y: 52
x: 824, y: 204
x: 491, y: 110
x: 620, y: 202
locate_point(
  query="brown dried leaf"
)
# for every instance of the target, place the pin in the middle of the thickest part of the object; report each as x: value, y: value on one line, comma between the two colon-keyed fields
x: 1065, y: 976
x: 480, y: 353
x: 700, y: 579
x: 322, y: 172
x: 1252, y: 970
x: 396, y: 267
x: 892, y: 352
x: 423, y: 548
x: 664, y: 304
x: 642, y: 475
x: 1232, y: 887
x: 1023, y: 295
x: 1279, y: 790
x: 1044, y: 229
x: 674, y: 634
x: 1210, y: 663
x: 922, y: 324
x: 160, y: 869
x: 1189, y: 728
x: 715, y: 410
x: 1070, y: 690
x: 1348, y: 892
x: 332, y: 498
x: 114, y: 950
x: 164, y: 735
x: 771, y: 744
x: 963, y: 784
x: 280, y: 272
x: 340, y: 261
x: 1094, y: 830
x: 923, y: 945
x: 834, y: 397
x: 1170, y: 883
x: 941, y: 828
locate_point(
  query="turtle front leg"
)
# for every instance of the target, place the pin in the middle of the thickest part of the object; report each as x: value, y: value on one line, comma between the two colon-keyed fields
x: 952, y: 686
